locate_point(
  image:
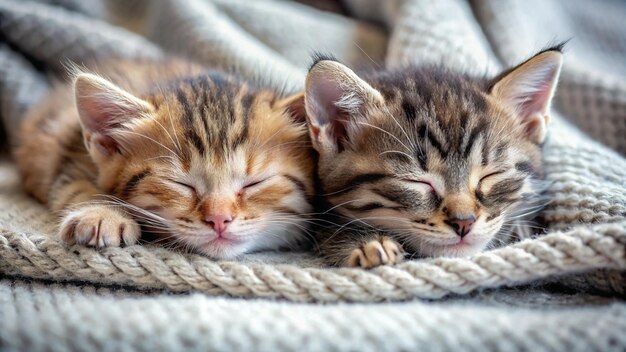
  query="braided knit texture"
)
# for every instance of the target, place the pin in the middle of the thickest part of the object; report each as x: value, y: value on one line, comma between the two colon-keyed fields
x: 586, y: 219
x: 151, y: 268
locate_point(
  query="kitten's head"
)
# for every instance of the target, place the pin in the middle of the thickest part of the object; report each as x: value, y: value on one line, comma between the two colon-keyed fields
x: 440, y: 160
x: 206, y: 161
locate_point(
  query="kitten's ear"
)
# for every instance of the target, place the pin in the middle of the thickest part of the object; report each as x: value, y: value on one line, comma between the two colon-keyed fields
x: 528, y: 90
x: 293, y: 105
x: 335, y: 100
x: 103, y: 107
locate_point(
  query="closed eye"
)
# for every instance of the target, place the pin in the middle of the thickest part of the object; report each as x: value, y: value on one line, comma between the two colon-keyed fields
x: 255, y: 183
x: 490, y: 175
x: 372, y: 199
x: 366, y: 207
x: 186, y: 185
x: 421, y: 182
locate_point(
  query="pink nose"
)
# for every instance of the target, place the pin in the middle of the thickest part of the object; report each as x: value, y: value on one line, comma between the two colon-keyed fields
x: 219, y: 222
x: 462, y: 224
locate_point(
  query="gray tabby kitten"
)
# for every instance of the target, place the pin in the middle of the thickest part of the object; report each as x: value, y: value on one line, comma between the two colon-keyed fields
x: 426, y: 160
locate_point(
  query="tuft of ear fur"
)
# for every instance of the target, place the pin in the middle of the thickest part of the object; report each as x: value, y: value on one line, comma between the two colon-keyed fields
x: 104, y: 107
x: 528, y: 90
x: 335, y: 100
x: 318, y: 56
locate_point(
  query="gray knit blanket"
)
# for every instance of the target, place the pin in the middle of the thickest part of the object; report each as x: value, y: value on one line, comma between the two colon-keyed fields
x: 562, y: 290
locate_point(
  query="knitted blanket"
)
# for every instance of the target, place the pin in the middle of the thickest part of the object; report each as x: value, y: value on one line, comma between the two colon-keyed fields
x: 127, y: 292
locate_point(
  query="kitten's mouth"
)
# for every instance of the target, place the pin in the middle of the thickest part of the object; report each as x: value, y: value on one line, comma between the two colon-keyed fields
x: 455, y: 243
x: 459, y: 247
x: 461, y: 244
x: 225, y: 239
x: 221, y: 242
x: 452, y: 242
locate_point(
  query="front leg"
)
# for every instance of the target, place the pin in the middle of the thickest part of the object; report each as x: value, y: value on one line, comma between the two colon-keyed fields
x: 356, y: 246
x: 89, y: 221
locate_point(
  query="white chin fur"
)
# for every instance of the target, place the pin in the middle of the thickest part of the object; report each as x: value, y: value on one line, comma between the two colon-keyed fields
x: 270, y: 239
x: 225, y: 252
x: 455, y: 251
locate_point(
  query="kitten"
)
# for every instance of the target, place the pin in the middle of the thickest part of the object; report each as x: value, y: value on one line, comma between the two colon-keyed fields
x: 195, y: 156
x: 443, y: 163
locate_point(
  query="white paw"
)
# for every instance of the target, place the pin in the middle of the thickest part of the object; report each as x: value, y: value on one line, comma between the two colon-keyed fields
x: 381, y: 251
x: 99, y: 226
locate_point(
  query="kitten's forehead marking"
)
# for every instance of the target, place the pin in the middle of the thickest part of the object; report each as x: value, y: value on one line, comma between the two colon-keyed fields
x: 216, y: 112
x: 452, y: 121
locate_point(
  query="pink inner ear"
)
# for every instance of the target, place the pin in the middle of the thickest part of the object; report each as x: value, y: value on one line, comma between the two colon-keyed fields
x: 96, y: 116
x: 326, y: 93
x: 322, y: 98
x: 536, y: 100
x: 106, y: 144
x: 97, y: 121
x: 102, y: 105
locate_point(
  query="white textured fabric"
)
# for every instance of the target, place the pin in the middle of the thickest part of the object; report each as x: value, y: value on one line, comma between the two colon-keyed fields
x: 584, y: 249
x: 52, y: 317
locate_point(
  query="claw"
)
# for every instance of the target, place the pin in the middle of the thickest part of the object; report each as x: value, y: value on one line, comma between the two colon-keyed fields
x: 375, y: 253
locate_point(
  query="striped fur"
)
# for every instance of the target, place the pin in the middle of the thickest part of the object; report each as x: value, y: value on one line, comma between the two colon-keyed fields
x: 408, y: 157
x: 163, y: 145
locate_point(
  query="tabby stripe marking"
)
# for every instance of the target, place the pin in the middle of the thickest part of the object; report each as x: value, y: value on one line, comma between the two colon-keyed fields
x: 422, y: 159
x: 426, y: 135
x: 245, y: 103
x: 189, y: 121
x: 484, y: 156
x: 299, y: 184
x: 204, y: 87
x: 357, y: 181
x: 500, y: 152
x: 287, y: 211
x: 380, y: 193
x: 492, y: 216
x: 134, y: 181
x: 524, y: 167
x: 409, y: 110
x: 365, y: 207
x: 184, y: 102
x: 196, y: 141
x: 476, y: 131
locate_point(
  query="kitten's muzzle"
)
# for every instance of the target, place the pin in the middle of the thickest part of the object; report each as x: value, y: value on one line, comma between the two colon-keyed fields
x: 219, y: 222
x: 461, y: 224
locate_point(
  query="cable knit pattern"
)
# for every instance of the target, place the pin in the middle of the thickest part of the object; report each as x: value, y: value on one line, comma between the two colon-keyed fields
x: 146, y: 267
x: 583, y: 249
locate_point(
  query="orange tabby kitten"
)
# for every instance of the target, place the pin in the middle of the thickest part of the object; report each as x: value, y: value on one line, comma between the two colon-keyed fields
x: 195, y: 156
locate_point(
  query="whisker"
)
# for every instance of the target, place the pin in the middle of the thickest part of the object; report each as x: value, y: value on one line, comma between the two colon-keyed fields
x: 409, y: 140
x: 387, y: 132
x: 149, y: 138
x: 363, y: 51
x: 396, y: 151
x: 169, y: 113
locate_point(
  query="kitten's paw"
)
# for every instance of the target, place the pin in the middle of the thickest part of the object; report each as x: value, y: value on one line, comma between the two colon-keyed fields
x: 381, y: 251
x: 99, y: 226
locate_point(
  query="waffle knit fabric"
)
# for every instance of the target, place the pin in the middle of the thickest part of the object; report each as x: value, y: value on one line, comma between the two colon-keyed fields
x: 141, y: 294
